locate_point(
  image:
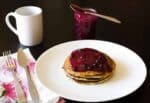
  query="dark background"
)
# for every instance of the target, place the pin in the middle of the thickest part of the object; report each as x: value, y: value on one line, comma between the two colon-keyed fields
x: 58, y: 27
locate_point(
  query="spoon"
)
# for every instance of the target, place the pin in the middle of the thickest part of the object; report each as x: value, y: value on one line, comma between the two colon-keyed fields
x: 87, y: 11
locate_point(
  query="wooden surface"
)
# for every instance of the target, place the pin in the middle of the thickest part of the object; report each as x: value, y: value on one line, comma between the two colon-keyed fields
x: 58, y: 27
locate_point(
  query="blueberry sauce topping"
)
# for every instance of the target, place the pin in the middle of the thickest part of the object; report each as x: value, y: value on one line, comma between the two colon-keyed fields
x: 88, y: 59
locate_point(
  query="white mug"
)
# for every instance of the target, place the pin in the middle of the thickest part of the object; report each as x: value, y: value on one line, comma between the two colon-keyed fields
x: 29, y: 25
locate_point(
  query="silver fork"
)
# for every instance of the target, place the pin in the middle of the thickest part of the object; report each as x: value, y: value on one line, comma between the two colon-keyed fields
x: 11, y: 65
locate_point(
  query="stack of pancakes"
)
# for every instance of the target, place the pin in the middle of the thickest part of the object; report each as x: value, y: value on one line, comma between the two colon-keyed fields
x: 89, y: 75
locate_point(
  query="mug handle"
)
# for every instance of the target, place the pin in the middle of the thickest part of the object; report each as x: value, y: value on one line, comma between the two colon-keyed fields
x: 8, y: 22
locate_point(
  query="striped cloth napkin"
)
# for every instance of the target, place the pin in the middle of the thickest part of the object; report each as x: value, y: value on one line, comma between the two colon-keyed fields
x: 7, y: 89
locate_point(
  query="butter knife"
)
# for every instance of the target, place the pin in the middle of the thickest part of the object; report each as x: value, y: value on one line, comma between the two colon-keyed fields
x: 24, y: 61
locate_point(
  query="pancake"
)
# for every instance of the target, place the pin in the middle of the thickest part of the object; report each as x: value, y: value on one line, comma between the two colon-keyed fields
x: 90, y: 75
x: 88, y: 79
x: 93, y: 82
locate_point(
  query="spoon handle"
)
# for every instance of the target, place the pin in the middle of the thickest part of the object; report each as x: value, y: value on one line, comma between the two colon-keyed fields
x: 104, y: 17
x: 32, y: 88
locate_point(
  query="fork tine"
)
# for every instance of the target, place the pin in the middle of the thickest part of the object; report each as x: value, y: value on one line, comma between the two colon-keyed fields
x: 11, y: 61
x: 6, y: 53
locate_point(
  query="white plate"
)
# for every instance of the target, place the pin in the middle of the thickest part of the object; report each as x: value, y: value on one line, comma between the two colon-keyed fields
x: 129, y: 75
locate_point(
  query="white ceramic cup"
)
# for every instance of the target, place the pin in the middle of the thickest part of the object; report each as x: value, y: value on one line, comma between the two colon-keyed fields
x: 29, y: 25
